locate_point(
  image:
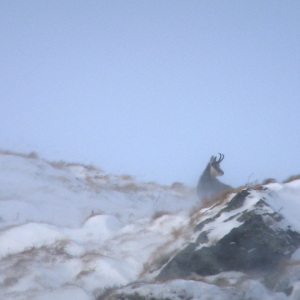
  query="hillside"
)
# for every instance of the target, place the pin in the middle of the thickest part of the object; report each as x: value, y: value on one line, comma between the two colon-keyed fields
x: 72, y: 231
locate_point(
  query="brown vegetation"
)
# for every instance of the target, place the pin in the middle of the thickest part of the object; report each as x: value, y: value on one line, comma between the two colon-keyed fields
x: 159, y: 213
x: 32, y: 155
x: 176, y: 233
x: 126, y: 177
x: 177, y: 185
x: 292, y: 178
x: 63, y: 164
x: 158, y: 259
x: 221, y: 197
x: 218, y: 199
x: 129, y: 188
x: 269, y: 180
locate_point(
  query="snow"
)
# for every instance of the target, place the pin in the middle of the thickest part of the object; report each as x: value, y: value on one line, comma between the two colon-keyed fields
x: 68, y: 231
x: 189, y: 289
x: 286, y: 201
x: 220, y: 227
x: 20, y: 238
x: 68, y: 293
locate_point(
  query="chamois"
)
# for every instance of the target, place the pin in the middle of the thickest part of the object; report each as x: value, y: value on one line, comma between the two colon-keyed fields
x: 208, y: 184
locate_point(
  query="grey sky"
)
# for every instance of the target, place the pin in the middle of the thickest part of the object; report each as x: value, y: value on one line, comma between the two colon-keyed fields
x: 154, y: 88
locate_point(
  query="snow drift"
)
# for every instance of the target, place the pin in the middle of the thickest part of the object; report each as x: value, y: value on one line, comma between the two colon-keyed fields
x: 71, y: 231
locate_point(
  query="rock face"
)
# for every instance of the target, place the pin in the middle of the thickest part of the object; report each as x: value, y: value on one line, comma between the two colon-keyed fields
x: 252, y: 241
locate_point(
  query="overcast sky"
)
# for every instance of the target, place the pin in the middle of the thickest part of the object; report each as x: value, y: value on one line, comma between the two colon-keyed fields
x: 154, y: 88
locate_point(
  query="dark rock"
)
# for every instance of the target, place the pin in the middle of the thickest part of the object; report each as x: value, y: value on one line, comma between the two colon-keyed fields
x: 236, y: 202
x: 202, y: 238
x: 203, y: 223
x: 252, y: 247
x: 288, y: 291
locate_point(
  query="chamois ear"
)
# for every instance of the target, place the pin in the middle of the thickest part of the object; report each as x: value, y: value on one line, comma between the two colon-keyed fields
x: 212, y: 159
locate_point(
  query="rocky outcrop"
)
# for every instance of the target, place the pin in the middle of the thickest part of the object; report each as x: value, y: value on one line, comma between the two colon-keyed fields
x: 253, y: 243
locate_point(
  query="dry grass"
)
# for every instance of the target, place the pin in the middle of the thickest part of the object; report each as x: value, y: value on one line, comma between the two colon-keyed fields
x: 129, y: 188
x: 18, y: 264
x: 61, y: 164
x: 126, y: 177
x: 89, y: 167
x: 177, y: 185
x: 269, y: 180
x: 106, y: 293
x: 63, y: 179
x: 221, y: 197
x: 93, y: 181
x: 218, y: 199
x: 32, y: 155
x: 181, y: 191
x: 195, y: 213
x: 158, y: 259
x: 56, y: 249
x: 55, y: 164
x: 152, y: 183
x: 257, y: 187
x: 260, y: 186
x: 176, y: 233
x: 58, y: 164
x: 10, y: 281
x: 292, y: 178
x: 90, y: 256
x: 159, y: 213
x: 85, y: 272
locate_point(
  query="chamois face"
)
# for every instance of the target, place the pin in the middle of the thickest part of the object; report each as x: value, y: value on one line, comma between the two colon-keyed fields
x: 215, y: 169
x: 208, y: 184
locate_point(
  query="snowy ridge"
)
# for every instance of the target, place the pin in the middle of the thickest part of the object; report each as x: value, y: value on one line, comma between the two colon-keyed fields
x: 70, y: 231
x: 79, y: 226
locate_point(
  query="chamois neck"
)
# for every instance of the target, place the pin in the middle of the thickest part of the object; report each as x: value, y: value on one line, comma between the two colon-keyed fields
x: 206, y: 176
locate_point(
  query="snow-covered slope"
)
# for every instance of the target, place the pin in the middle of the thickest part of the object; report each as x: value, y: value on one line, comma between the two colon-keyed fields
x: 71, y: 231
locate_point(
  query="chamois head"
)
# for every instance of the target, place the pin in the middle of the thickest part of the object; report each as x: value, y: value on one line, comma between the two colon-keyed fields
x: 215, y: 169
x: 208, y: 184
